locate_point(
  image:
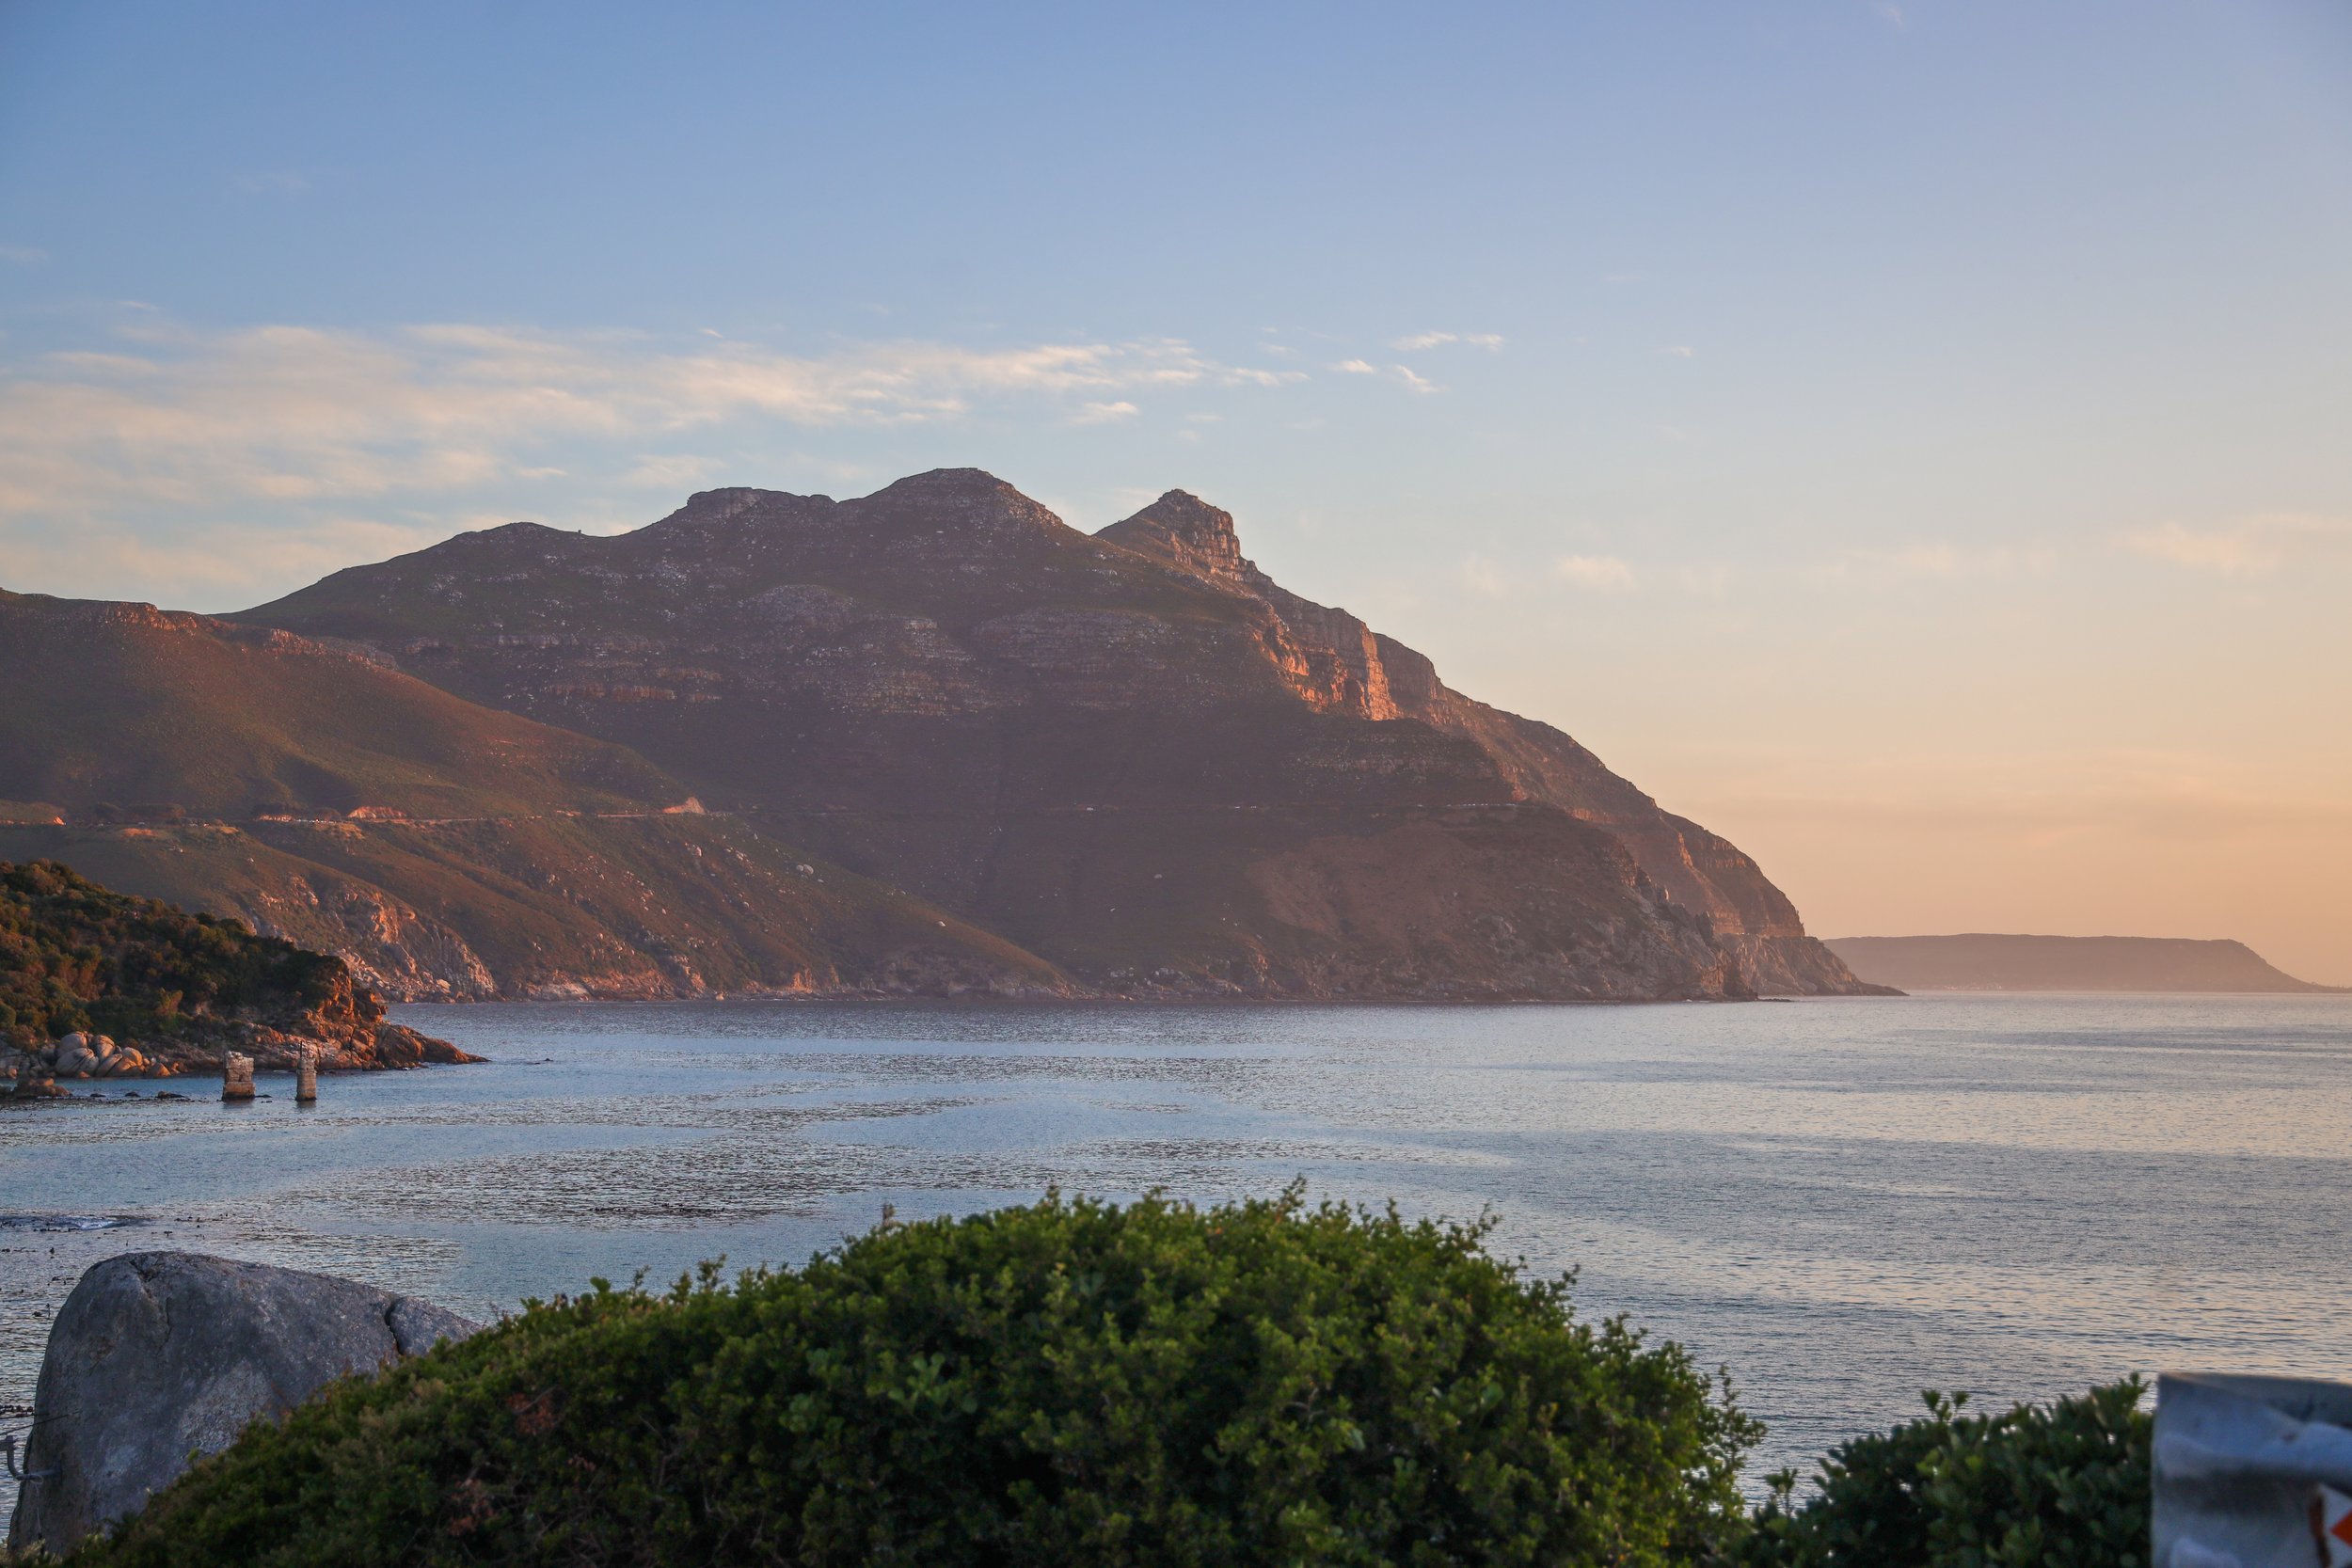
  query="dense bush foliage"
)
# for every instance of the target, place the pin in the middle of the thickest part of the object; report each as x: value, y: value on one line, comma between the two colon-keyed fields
x: 2061, y: 1487
x: 76, y: 956
x: 1068, y: 1383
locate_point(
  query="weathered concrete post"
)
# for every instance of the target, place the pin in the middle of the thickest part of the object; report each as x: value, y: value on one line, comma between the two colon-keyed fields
x: 306, y: 1075
x: 236, y: 1078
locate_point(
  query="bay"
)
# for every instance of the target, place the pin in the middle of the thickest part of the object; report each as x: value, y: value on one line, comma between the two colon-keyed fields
x: 1842, y: 1201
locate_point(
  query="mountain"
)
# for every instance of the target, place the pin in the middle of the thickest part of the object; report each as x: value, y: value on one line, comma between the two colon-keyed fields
x: 1130, y: 753
x: 1981, y: 961
x: 443, y: 849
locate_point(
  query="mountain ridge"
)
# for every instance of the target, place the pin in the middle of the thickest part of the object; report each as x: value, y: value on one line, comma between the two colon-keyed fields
x: 943, y: 686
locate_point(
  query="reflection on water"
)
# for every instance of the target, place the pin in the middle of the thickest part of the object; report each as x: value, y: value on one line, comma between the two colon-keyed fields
x: 1842, y: 1201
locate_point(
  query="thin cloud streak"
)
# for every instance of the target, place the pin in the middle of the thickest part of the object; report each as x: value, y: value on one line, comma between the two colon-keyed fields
x: 1600, y: 573
x: 2247, y: 547
x: 188, y: 420
x: 1487, y: 340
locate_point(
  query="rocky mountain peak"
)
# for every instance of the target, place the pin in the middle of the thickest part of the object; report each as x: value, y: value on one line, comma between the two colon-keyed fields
x: 948, y: 484
x: 1182, y: 531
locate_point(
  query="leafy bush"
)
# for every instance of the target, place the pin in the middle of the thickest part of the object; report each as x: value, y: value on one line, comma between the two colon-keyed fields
x: 1067, y: 1383
x: 2065, y: 1487
x: 74, y: 955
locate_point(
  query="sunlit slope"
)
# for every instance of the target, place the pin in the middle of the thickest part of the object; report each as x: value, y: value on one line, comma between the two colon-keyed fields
x: 443, y: 849
x: 127, y: 706
x: 555, y: 907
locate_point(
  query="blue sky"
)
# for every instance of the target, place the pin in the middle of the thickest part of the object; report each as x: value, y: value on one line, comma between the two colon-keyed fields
x: 1912, y: 438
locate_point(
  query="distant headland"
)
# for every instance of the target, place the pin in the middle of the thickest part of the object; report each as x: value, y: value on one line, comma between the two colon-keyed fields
x: 1986, y: 962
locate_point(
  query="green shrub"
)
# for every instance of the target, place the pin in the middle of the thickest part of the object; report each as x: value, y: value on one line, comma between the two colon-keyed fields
x: 74, y: 955
x: 1069, y: 1383
x: 2065, y: 1487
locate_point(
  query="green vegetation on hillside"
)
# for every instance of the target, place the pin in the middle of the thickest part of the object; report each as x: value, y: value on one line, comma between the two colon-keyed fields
x: 76, y: 956
x: 1068, y: 1382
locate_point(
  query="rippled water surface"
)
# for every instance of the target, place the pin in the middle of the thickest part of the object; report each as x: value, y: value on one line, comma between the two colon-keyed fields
x: 1843, y: 1202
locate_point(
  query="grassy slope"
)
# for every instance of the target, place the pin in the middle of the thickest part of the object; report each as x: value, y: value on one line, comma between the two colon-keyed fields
x: 638, y: 907
x: 541, y: 859
x: 124, y: 704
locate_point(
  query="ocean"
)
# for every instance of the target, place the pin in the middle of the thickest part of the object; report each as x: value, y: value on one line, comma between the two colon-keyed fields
x: 1842, y: 1201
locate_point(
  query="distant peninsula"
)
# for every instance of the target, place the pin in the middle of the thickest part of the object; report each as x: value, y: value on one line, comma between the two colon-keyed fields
x: 1985, y: 961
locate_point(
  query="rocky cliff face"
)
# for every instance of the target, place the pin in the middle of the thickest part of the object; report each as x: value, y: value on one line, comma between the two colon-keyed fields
x: 1338, y: 663
x: 1130, y: 754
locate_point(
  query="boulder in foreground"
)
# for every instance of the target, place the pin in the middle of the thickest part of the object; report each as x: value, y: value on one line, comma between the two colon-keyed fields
x: 156, y: 1356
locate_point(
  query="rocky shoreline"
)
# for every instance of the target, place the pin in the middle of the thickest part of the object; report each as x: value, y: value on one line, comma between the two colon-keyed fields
x: 84, y: 1056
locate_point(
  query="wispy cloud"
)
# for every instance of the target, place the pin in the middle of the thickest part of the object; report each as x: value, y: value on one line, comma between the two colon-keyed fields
x: 1482, y: 577
x: 171, y: 418
x: 226, y: 564
x: 1105, y: 413
x: 1489, y: 340
x: 22, y: 254
x: 1600, y: 573
x: 1357, y: 367
x: 1679, y: 351
x: 2246, y: 546
x: 1253, y: 375
x: 674, y: 472
x: 1404, y: 373
x: 1931, y: 557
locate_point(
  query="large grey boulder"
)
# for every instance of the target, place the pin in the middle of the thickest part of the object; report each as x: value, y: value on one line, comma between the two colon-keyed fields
x: 158, y: 1356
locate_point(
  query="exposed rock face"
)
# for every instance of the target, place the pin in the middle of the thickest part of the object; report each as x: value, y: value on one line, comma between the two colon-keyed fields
x: 1341, y: 664
x: 1130, y: 754
x: 156, y: 1356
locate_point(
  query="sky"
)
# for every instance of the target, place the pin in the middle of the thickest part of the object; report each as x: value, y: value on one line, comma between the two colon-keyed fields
x: 1913, y: 438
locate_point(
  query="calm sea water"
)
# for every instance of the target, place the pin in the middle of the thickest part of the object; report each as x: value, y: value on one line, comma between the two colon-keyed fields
x: 1842, y: 1201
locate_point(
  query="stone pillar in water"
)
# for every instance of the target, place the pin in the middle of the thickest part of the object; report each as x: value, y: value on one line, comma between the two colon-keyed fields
x: 236, y: 1078
x: 306, y: 1075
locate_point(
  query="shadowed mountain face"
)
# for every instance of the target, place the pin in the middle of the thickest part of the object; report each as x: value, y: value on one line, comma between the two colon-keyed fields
x: 1130, y: 754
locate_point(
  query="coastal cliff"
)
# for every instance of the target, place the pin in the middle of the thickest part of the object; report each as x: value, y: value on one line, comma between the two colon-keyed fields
x: 1130, y: 754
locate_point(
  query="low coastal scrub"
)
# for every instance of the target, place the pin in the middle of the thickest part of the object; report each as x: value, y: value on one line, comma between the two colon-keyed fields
x: 82, y: 965
x: 2065, y: 1487
x: 1068, y: 1382
x: 1075, y: 1382
x: 75, y: 956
